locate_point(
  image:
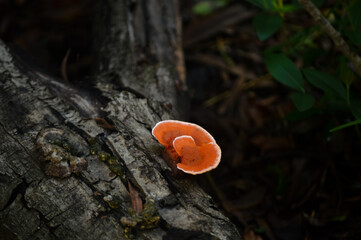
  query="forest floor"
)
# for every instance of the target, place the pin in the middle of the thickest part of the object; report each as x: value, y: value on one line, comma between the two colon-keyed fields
x: 281, y: 176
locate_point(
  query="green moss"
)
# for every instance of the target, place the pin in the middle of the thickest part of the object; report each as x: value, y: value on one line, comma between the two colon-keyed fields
x: 115, y: 166
x: 95, y: 145
x: 96, y: 149
x: 118, y: 170
x: 113, y: 202
x: 112, y: 161
x: 103, y: 156
x: 147, y: 219
x: 128, y: 233
x: 150, y: 216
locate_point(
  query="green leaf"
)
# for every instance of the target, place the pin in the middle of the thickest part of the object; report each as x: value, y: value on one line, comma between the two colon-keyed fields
x: 266, y: 24
x: 286, y: 8
x: 303, y: 101
x: 296, y: 115
x: 354, y: 36
x: 354, y: 13
x: 264, y: 4
x: 220, y: 3
x: 202, y: 8
x: 207, y: 7
x: 358, y: 121
x: 325, y: 82
x: 284, y: 71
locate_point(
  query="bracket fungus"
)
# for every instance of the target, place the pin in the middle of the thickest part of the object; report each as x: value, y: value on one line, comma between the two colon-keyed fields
x: 193, y: 149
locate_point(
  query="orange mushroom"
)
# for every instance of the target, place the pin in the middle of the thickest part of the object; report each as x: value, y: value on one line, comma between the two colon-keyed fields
x: 190, y: 144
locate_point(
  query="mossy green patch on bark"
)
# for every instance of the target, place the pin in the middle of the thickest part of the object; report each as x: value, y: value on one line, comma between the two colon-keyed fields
x: 147, y: 219
x: 96, y: 148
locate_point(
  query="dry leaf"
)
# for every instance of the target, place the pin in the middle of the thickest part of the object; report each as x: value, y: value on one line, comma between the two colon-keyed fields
x: 137, y: 204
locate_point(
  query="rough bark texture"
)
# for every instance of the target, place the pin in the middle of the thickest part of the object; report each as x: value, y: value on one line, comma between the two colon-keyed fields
x: 70, y: 157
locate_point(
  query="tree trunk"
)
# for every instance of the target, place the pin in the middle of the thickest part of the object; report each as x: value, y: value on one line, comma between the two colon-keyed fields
x: 81, y: 163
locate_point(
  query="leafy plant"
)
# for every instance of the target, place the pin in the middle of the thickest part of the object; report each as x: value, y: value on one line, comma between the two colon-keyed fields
x: 285, y: 71
x: 267, y: 24
x: 322, y: 84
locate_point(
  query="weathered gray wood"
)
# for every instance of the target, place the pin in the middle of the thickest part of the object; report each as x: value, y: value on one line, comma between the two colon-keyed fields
x: 50, y: 128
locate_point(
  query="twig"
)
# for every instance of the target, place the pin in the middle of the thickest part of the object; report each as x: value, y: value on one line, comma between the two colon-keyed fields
x: 63, y: 66
x: 332, y: 33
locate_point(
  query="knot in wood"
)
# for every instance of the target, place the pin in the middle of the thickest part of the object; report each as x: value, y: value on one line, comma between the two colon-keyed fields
x: 62, y: 152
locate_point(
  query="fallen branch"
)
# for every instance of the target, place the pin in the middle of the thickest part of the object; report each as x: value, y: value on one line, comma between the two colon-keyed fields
x: 333, y: 34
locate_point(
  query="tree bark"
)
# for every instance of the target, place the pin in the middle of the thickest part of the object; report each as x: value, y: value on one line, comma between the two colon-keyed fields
x: 81, y: 163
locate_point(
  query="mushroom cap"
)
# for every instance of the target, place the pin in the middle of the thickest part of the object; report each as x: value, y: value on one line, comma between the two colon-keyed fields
x: 166, y: 131
x: 196, y: 148
x: 196, y: 159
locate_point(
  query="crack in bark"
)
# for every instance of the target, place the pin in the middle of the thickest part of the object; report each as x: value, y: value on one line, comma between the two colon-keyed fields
x: 16, y: 140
